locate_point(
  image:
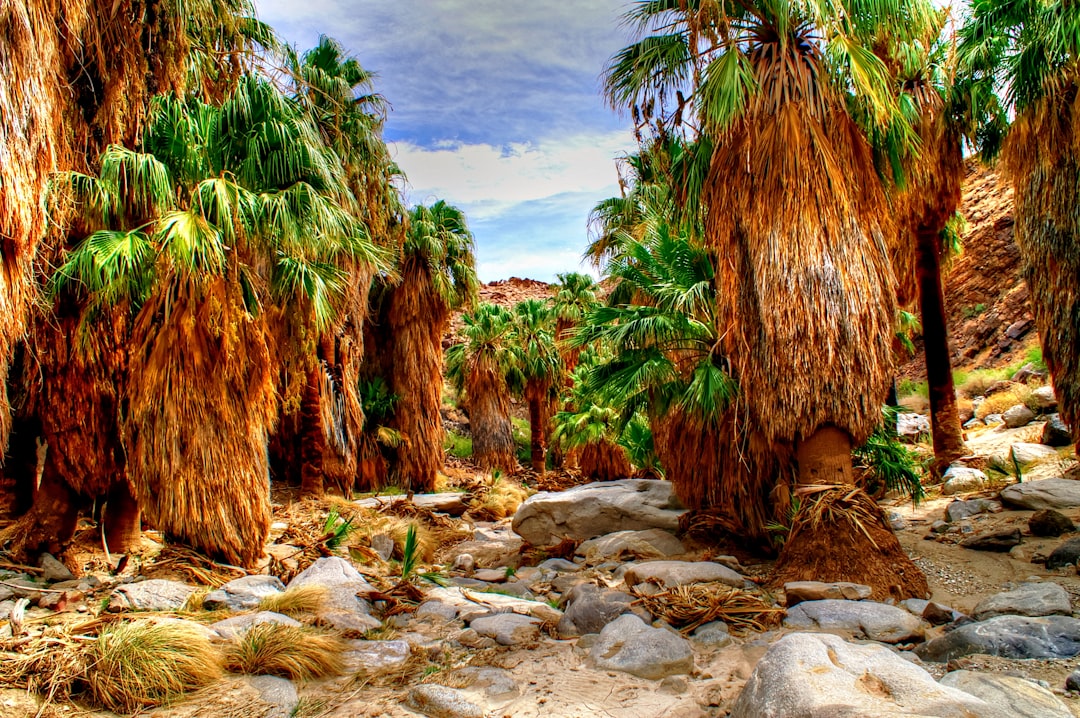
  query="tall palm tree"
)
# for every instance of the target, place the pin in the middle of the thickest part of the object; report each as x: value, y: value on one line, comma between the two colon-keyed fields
x: 574, y: 295
x: 1025, y: 53
x: 798, y: 216
x: 592, y: 432
x: 438, y: 275
x: 230, y: 215
x: 483, y: 368
x: 541, y: 368
x: 87, y: 74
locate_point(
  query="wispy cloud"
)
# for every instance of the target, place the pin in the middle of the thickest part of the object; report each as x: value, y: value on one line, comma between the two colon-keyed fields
x: 496, y: 105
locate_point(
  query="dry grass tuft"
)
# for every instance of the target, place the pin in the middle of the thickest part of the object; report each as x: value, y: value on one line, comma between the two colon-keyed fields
x: 297, y: 601
x: 1000, y: 402
x: 497, y: 498
x: 687, y: 607
x: 192, y: 566
x: 293, y: 652
x: 143, y: 664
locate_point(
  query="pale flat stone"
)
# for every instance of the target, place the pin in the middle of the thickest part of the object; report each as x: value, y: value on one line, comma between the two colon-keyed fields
x: 681, y: 573
x: 1043, y: 494
x: 508, y: 629
x: 1020, y: 698
x: 646, y: 544
x: 876, y: 621
x: 799, y: 591
x: 156, y: 594
x: 628, y: 645
x: 1044, y: 598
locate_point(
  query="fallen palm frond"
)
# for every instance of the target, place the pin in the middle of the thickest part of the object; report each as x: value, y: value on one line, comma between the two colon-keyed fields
x: 195, y: 567
x: 142, y: 664
x: 294, y: 652
x: 296, y: 601
x: 687, y: 607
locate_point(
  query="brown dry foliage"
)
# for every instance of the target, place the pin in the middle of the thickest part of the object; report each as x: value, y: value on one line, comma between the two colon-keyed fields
x: 841, y: 534
x: 604, y: 461
x: 294, y: 652
x: 488, y: 401
x: 690, y: 606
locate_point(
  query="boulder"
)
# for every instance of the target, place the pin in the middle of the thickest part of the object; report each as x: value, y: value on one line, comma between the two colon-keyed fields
x: 1025, y: 453
x: 804, y: 675
x: 1043, y: 399
x: 53, y: 570
x: 1072, y: 681
x: 436, y: 609
x: 589, y: 609
x: 681, y: 573
x: 962, y: 480
x: 560, y: 564
x: 1028, y: 372
x: 451, y: 503
x: 243, y: 594
x: 342, y: 609
x: 496, y: 686
x: 155, y: 594
x: 1008, y: 637
x: 442, y: 702
x: 584, y: 512
x: 960, y: 509
x: 375, y: 657
x: 233, y: 628
x: 997, y: 541
x: 1017, y: 415
x: 799, y: 591
x: 508, y: 629
x: 912, y: 426
x: 1048, y: 522
x: 714, y: 634
x: 628, y: 645
x: 1067, y: 554
x: 1043, y: 494
x: 1043, y: 598
x: 1056, y: 432
x: 647, y: 544
x: 1017, y: 696
x: 278, y: 693
x: 937, y: 615
x: 876, y: 621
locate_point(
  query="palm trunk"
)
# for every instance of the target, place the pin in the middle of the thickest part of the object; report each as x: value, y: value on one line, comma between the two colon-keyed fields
x: 123, y: 519
x: 604, y: 461
x: 312, y: 436
x: 489, y: 419
x: 825, y: 458
x: 537, y: 429
x: 50, y: 522
x: 944, y: 416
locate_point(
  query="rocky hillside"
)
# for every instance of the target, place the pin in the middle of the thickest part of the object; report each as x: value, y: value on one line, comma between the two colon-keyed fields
x: 990, y: 320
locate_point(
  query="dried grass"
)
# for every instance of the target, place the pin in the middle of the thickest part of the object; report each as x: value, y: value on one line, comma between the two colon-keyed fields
x: 496, y: 498
x: 294, y: 652
x: 297, y: 601
x: 175, y: 560
x: 1002, y: 401
x: 693, y: 605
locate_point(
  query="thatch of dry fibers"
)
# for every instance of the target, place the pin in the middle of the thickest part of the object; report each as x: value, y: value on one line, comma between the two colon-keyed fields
x: 199, y: 417
x: 840, y: 534
x: 604, y: 460
x: 418, y: 318
x: 1044, y: 165
x: 488, y: 399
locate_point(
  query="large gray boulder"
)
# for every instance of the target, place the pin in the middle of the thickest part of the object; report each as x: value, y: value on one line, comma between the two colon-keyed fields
x: 155, y: 594
x: 233, y: 628
x: 584, y: 512
x: 1019, y: 697
x: 1024, y: 453
x: 804, y: 675
x: 647, y: 544
x: 1043, y: 494
x: 681, y: 573
x: 1044, y: 598
x: 376, y: 657
x: 1008, y: 637
x: 341, y: 609
x: 628, y: 645
x: 1017, y: 415
x: 876, y: 621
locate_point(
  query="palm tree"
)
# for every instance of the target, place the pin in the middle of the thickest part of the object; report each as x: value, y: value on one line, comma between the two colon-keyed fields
x: 81, y: 86
x: 574, y: 296
x: 438, y: 275
x: 229, y: 216
x: 1026, y: 53
x: 541, y: 370
x: 482, y: 368
x: 592, y: 431
x: 798, y: 216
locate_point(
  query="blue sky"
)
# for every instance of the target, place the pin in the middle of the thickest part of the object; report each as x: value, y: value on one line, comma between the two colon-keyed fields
x: 496, y: 109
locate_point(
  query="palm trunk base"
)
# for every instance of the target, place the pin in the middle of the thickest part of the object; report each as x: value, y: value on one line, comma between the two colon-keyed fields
x: 123, y: 520
x: 49, y: 524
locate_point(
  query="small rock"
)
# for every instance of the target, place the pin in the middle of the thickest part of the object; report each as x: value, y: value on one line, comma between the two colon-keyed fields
x: 442, y: 702
x: 973, y: 423
x: 714, y: 634
x: 1008, y: 637
x: 674, y: 685
x: 156, y: 594
x: 937, y: 615
x: 233, y: 628
x: 53, y: 570
x: 646, y: 544
x: 876, y: 621
x: 1024, y: 453
x: 991, y: 419
x: 681, y: 573
x: 375, y: 657
x: 962, y: 479
x: 628, y: 645
x: 960, y: 509
x: 560, y: 564
x: 465, y: 563
x: 383, y: 545
x: 1028, y: 372
x: 508, y: 629
x: 589, y: 609
x: 1056, y: 432
x: 1017, y: 415
x: 914, y: 606
x: 1049, y: 522
x: 1043, y: 494
x: 799, y: 591
x: 280, y: 693
x: 490, y: 575
x: 911, y: 426
x: 1044, y: 598
x: 1072, y: 682
x: 243, y: 594
x: 495, y: 685
x: 1018, y: 697
x: 896, y: 521
x: 939, y: 527
x: 1043, y: 399
x: 998, y: 541
x: 1067, y: 554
